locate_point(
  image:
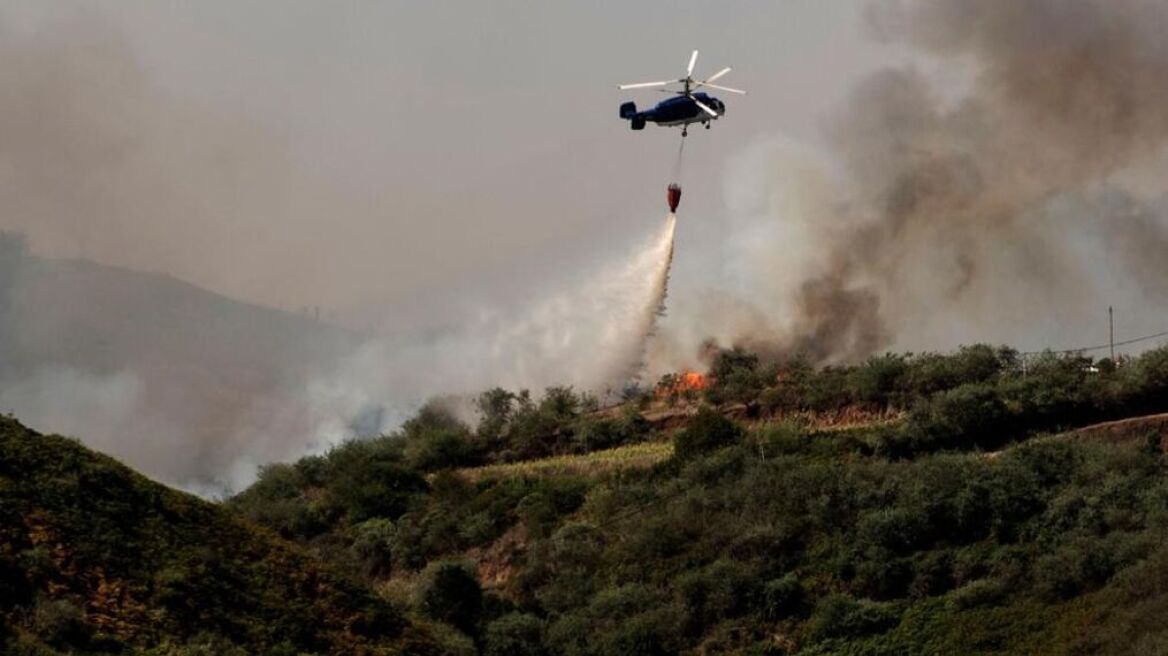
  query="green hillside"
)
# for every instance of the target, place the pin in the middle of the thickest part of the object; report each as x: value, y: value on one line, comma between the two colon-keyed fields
x: 95, y: 558
x: 959, y: 517
x: 919, y: 504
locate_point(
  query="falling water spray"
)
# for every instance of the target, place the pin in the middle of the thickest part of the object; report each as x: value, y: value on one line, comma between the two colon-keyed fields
x: 659, y: 290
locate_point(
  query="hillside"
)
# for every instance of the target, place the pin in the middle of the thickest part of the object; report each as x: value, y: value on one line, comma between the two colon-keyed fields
x: 916, y: 504
x: 960, y: 516
x: 95, y: 558
x: 154, y: 366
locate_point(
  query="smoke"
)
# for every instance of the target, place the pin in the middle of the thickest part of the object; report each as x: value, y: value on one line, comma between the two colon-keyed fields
x: 591, y: 335
x: 199, y: 390
x: 103, y: 163
x: 1006, y: 185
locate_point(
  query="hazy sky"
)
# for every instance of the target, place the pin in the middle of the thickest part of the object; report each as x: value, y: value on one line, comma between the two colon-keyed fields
x: 375, y: 154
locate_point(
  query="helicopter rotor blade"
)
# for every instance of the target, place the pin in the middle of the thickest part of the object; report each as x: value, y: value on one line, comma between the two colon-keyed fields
x: 642, y: 85
x: 705, y: 108
x: 714, y: 86
x: 716, y: 75
x: 692, y: 60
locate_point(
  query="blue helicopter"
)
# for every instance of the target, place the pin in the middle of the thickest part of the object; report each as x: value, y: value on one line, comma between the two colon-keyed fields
x: 688, y: 107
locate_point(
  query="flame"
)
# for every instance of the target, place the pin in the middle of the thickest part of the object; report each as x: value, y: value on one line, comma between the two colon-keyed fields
x: 686, y: 381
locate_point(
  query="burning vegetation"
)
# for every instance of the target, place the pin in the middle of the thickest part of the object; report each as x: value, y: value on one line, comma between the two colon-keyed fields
x: 686, y: 383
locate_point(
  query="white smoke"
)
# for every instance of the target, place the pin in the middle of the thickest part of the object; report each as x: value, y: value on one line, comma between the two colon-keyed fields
x: 591, y: 336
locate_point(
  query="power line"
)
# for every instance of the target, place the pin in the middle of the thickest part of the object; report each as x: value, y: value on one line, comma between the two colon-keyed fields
x: 1098, y: 347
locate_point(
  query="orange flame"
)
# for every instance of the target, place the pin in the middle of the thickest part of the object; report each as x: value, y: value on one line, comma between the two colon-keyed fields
x: 687, y: 381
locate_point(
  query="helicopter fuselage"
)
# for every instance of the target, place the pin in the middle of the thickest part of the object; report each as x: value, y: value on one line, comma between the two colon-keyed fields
x: 680, y: 110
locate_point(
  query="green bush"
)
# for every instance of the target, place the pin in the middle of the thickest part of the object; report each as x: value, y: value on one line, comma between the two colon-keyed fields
x: 708, y: 431
x: 368, y: 479
x: 432, y: 449
x: 879, y: 381
x: 515, y: 634
x: 373, y: 542
x: 841, y: 616
x: 782, y: 598
x: 450, y: 593
x: 717, y: 592
x: 981, y: 592
x: 59, y: 622
x: 202, y: 644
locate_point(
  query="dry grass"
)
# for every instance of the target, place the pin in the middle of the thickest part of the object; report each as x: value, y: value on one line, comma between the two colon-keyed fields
x: 632, y: 456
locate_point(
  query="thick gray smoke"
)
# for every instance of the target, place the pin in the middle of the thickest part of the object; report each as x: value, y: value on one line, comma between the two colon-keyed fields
x: 1008, y: 185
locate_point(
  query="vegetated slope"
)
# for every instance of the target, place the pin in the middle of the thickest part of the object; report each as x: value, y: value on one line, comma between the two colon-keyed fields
x: 95, y: 558
x: 772, y: 536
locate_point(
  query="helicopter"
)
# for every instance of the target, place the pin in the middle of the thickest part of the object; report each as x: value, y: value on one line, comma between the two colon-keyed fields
x: 686, y: 108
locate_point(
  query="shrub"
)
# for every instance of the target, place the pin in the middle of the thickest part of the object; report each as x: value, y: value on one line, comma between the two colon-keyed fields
x: 782, y: 598
x: 708, y: 431
x: 515, y: 634
x: 202, y: 644
x: 717, y: 592
x: 373, y: 543
x: 970, y: 415
x: 1072, y: 569
x: 841, y: 616
x: 976, y: 593
x: 735, y: 375
x: 434, y: 415
x: 15, y: 589
x: 561, y: 403
x: 367, y: 479
x: 450, y: 593
x: 644, y: 635
x: 879, y: 380
x: 59, y: 622
x: 440, y: 448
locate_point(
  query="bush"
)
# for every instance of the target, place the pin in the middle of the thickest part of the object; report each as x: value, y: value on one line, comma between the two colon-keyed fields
x: 735, y: 377
x: 1072, y: 569
x: 15, y: 589
x: 367, y: 479
x: 720, y: 591
x: 373, y: 543
x: 440, y: 448
x: 981, y: 592
x: 782, y: 598
x: 515, y: 634
x: 708, y: 431
x: 879, y: 381
x: 202, y: 644
x: 644, y: 635
x: 450, y: 593
x: 967, y: 416
x: 841, y: 616
x: 59, y: 622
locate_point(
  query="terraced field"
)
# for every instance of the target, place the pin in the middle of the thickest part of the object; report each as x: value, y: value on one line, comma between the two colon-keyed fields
x: 631, y: 456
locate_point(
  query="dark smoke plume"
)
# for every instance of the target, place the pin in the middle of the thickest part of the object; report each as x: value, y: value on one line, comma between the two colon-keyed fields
x: 1006, y: 186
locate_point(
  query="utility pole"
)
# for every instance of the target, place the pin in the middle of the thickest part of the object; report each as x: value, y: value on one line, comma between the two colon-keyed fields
x: 1111, y: 332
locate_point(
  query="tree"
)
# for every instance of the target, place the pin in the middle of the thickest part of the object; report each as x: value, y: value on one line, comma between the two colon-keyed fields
x: 495, y: 407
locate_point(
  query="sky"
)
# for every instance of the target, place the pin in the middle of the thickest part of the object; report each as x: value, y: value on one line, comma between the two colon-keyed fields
x: 380, y: 159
